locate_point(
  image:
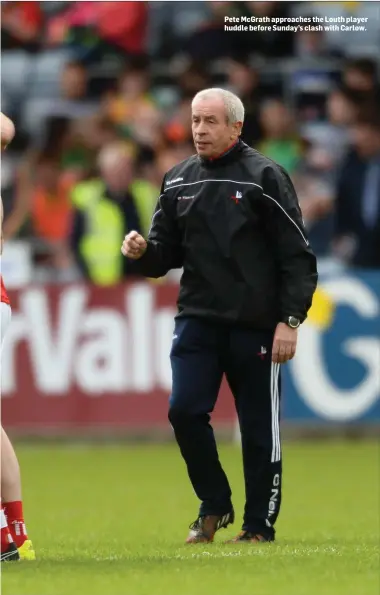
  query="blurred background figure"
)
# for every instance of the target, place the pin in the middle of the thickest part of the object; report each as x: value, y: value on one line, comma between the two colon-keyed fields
x: 132, y: 94
x: 50, y: 217
x: 281, y: 141
x: 106, y: 208
x: 357, y: 230
x: 361, y: 74
x: 21, y: 24
x: 243, y: 80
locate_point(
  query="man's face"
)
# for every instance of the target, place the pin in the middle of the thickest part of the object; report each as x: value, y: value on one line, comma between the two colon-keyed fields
x: 355, y: 79
x: 117, y: 172
x: 212, y: 133
x: 366, y: 140
x: 340, y: 110
x: 241, y: 78
x: 275, y: 119
x: 133, y: 85
x: 73, y: 83
x: 48, y: 175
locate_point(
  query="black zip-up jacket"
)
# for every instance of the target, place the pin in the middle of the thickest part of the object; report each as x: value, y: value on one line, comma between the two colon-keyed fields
x: 235, y: 226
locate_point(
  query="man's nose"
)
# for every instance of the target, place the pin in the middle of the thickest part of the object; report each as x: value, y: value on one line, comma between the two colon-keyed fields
x: 201, y: 131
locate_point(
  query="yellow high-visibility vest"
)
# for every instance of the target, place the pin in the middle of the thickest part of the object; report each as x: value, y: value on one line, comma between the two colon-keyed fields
x: 105, y: 226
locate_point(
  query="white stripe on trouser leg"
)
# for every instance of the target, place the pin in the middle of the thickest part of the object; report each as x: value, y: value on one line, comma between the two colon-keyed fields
x: 277, y: 400
x: 272, y: 369
x: 276, y: 412
x: 276, y: 449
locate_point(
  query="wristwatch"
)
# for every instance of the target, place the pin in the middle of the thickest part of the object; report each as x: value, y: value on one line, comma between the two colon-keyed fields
x: 293, y: 322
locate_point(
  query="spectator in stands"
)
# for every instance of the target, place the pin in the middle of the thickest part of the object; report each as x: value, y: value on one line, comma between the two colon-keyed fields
x: 50, y: 216
x: 71, y: 104
x: 193, y: 78
x: 331, y: 137
x: 123, y: 27
x: 93, y: 133
x: 93, y: 29
x: 178, y: 127
x: 357, y: 223
x: 51, y: 206
x: 50, y: 142
x: 71, y: 145
x: 74, y: 81
x: 149, y: 107
x: 314, y: 179
x: 265, y: 43
x: 281, y: 141
x: 342, y: 108
x: 312, y: 44
x: 345, y: 42
x: 106, y: 208
x: 132, y: 95
x: 316, y: 198
x: 21, y: 24
x: 145, y: 126
x: 360, y: 74
x: 244, y: 82
x: 342, y: 105
x: 169, y: 29
x: 211, y: 41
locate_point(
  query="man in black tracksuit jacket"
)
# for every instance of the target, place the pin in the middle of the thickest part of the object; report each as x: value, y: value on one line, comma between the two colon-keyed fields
x: 233, y: 222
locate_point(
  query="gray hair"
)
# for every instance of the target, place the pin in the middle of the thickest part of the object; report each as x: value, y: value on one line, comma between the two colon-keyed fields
x: 233, y: 104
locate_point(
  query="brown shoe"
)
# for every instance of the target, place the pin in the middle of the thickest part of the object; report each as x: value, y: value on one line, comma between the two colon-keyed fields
x: 205, y: 527
x: 248, y: 537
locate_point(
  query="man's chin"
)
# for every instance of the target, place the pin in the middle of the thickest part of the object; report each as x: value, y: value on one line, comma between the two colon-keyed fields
x: 204, y: 150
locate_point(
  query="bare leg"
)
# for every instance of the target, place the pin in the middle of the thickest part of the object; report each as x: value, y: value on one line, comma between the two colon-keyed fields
x: 11, y: 499
x: 10, y: 471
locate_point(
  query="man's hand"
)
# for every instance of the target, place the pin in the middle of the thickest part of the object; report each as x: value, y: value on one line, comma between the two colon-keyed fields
x: 284, y: 343
x: 134, y: 245
x: 7, y: 130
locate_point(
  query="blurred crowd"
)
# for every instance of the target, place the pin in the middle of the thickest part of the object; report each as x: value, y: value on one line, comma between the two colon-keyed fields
x: 100, y: 93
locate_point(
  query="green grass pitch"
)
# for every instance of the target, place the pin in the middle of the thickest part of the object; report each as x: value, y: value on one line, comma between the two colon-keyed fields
x: 111, y: 520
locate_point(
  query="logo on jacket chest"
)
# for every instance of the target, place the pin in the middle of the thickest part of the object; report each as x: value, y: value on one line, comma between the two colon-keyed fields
x: 238, y: 196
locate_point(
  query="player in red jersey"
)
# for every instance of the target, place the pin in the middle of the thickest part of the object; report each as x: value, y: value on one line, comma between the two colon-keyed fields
x: 15, y: 544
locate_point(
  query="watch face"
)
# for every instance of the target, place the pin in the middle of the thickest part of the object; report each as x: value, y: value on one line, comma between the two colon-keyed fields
x: 293, y: 322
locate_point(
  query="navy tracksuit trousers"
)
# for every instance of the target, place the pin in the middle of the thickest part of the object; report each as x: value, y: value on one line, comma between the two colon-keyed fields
x: 202, y: 351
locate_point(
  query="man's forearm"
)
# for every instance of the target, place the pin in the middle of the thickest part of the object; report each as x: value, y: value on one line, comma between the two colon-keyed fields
x: 299, y: 278
x: 297, y: 296
x: 153, y: 263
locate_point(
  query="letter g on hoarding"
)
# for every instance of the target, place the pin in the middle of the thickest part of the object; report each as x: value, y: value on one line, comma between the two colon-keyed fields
x: 309, y: 368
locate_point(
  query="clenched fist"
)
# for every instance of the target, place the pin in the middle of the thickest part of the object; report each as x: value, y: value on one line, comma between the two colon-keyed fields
x: 134, y: 245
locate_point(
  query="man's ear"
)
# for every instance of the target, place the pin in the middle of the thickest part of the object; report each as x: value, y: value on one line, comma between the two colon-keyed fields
x: 238, y: 128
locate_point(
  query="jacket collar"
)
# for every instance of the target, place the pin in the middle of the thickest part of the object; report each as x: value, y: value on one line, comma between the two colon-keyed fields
x: 227, y: 156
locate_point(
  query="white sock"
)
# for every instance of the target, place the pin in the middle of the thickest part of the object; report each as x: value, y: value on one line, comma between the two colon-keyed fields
x: 4, y: 525
x: 3, y: 520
